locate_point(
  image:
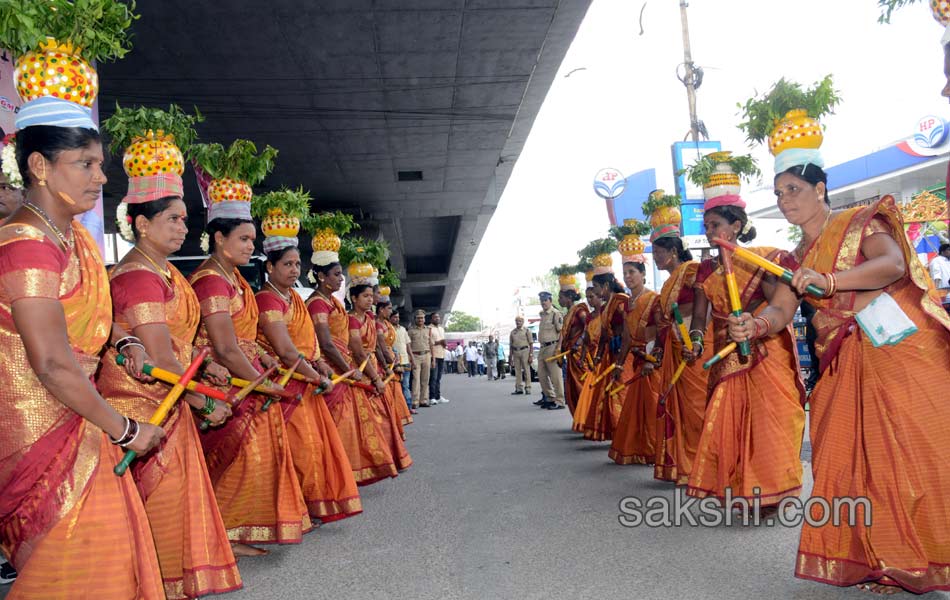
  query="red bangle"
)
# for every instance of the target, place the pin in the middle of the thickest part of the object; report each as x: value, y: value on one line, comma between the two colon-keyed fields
x: 832, y: 285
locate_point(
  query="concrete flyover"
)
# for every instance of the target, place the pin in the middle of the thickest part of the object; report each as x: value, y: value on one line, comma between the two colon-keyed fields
x: 408, y: 114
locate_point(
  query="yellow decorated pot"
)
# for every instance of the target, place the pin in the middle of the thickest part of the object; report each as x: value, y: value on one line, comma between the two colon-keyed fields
x: 630, y: 245
x: 325, y: 240
x: 602, y: 260
x: 567, y: 280
x: 277, y: 223
x: 229, y: 190
x: 589, y: 276
x: 153, y: 154
x: 796, y: 130
x: 941, y: 11
x: 665, y: 215
x: 56, y: 70
x: 384, y: 290
x: 360, y: 269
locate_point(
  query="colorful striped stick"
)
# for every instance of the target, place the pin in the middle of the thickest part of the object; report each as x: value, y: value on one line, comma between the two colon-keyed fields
x: 251, y: 386
x: 169, y: 377
x: 163, y: 409
x: 735, y: 302
x: 676, y: 376
x: 285, y: 378
x: 260, y: 389
x: 557, y: 356
x: 719, y: 355
x: 764, y: 263
x: 682, y: 327
x: 606, y: 372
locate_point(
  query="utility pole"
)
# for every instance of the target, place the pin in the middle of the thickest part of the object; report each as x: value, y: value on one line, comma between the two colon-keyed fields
x: 689, y: 78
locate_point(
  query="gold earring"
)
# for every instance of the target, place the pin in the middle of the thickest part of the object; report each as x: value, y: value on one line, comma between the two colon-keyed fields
x: 41, y: 183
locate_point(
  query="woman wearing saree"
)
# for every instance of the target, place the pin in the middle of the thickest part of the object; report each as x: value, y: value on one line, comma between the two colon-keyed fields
x: 571, y: 334
x: 634, y: 440
x: 589, y: 345
x: 606, y: 395
x: 153, y: 300
x: 60, y: 439
x: 353, y: 412
x: 386, y: 335
x: 249, y: 457
x: 879, y: 411
x: 286, y: 330
x: 754, y: 420
x: 682, y: 405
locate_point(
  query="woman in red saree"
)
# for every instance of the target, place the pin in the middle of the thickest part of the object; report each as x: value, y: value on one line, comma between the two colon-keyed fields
x: 683, y: 404
x: 61, y: 503
x: 353, y: 412
x: 286, y: 330
x: 386, y: 336
x: 634, y: 440
x: 755, y: 417
x: 362, y: 347
x: 606, y: 395
x: 249, y: 457
x: 571, y: 334
x: 588, y: 348
x: 879, y: 410
x: 154, y: 301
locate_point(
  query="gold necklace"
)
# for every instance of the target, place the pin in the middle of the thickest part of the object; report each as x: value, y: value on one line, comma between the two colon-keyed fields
x: 274, y: 287
x: 166, y: 273
x: 224, y: 272
x: 39, y: 212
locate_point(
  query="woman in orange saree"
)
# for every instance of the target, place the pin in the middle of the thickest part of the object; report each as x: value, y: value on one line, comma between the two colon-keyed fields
x: 363, y: 348
x: 353, y: 412
x: 286, y: 331
x: 755, y: 417
x: 249, y: 457
x: 879, y: 411
x: 681, y: 406
x: 635, y: 435
x: 589, y: 345
x: 154, y: 301
x: 606, y: 394
x: 61, y: 503
x: 571, y: 334
x: 386, y: 334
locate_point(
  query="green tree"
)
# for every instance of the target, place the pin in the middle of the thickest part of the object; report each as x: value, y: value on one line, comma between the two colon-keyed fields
x: 460, y: 321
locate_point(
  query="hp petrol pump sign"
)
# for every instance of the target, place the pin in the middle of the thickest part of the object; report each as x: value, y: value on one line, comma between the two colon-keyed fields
x: 931, y: 132
x: 609, y: 183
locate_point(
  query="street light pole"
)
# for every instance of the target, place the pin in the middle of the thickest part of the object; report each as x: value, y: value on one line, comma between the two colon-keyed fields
x: 689, y: 80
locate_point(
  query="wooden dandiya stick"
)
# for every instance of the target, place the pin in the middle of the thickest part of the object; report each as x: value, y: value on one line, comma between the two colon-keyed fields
x: 682, y: 327
x: 647, y: 357
x: 719, y: 355
x: 676, y: 377
x: 735, y: 302
x: 163, y: 409
x: 764, y: 263
x: 252, y: 386
x: 284, y: 380
x: 260, y: 389
x: 172, y: 378
x: 557, y: 356
x: 606, y: 372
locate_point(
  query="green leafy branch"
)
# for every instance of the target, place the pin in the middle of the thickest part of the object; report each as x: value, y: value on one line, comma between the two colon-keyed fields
x: 293, y: 203
x: 585, y: 264
x: 700, y: 172
x: 762, y: 113
x: 889, y: 6
x: 240, y: 161
x: 564, y: 269
x: 656, y: 201
x: 357, y: 249
x: 127, y: 124
x: 338, y: 222
x: 598, y: 247
x: 639, y: 229
x: 388, y: 277
x: 99, y: 28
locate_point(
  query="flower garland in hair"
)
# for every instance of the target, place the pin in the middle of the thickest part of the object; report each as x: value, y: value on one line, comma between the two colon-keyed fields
x: 8, y: 163
x: 124, y: 222
x: 311, y: 278
x: 205, y: 242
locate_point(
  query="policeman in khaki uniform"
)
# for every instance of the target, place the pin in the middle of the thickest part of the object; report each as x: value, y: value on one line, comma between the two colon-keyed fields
x: 549, y: 373
x: 519, y: 348
x: 420, y: 345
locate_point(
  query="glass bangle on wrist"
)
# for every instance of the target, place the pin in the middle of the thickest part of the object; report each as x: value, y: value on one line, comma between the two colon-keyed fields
x: 129, y: 340
x: 209, y: 406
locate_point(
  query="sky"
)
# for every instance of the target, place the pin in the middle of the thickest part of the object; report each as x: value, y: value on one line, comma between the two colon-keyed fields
x: 625, y: 107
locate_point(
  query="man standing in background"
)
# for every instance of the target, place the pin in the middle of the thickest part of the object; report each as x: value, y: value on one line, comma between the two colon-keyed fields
x: 491, y: 358
x: 519, y: 348
x: 549, y: 373
x: 403, y: 359
x: 421, y: 359
x: 471, y: 358
x: 437, y: 340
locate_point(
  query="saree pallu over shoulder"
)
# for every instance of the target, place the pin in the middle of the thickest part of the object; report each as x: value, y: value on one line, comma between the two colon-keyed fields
x: 878, y: 425
x: 606, y: 399
x: 572, y: 381
x: 60, y: 502
x: 753, y: 424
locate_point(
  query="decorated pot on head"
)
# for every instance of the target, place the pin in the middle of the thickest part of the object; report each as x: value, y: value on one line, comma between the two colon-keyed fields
x: 663, y: 212
x: 230, y: 173
x: 629, y: 242
x: 327, y: 230
x: 151, y: 140
x: 598, y: 253
x: 361, y: 257
x: 720, y: 174
x: 281, y: 213
x: 566, y: 277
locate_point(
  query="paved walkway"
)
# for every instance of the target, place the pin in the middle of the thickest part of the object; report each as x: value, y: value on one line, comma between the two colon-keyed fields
x: 505, y: 502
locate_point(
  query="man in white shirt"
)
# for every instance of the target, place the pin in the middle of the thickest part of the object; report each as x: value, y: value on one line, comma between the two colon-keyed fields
x: 437, y: 339
x: 940, y: 269
x: 403, y: 359
x: 471, y: 358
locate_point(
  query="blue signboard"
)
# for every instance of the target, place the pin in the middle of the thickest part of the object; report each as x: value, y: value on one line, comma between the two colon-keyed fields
x: 692, y: 219
x: 685, y: 154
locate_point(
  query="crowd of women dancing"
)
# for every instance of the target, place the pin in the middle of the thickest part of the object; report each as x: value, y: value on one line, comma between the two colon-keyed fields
x: 194, y: 500
x: 878, y: 413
